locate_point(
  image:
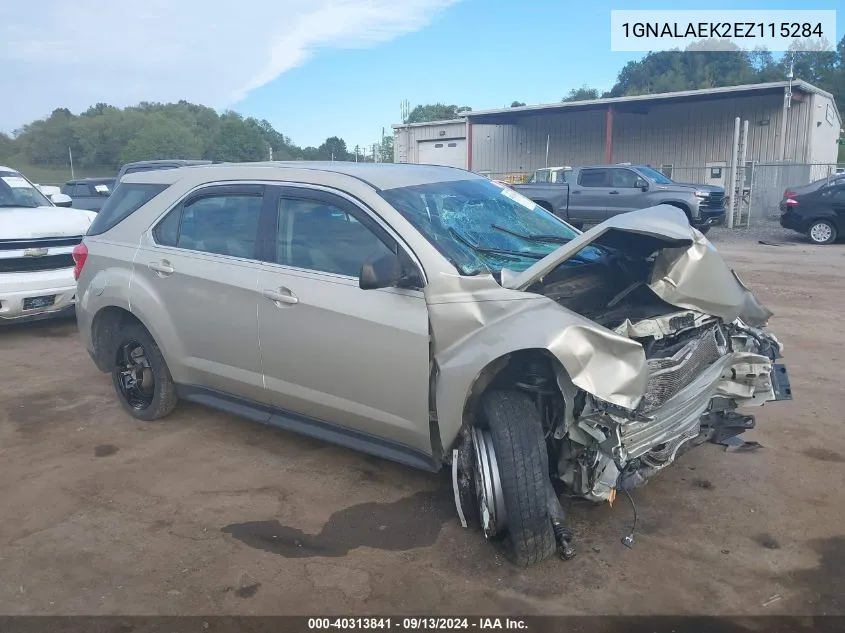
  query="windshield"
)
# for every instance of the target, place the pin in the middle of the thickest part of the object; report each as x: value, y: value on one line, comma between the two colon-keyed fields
x: 482, y: 227
x: 655, y: 175
x: 17, y: 191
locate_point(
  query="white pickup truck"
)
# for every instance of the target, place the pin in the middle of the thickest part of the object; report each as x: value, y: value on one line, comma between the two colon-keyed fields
x: 37, y: 236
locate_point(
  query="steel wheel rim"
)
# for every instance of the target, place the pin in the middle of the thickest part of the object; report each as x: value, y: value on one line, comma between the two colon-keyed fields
x: 488, y: 485
x: 821, y: 232
x: 135, y: 377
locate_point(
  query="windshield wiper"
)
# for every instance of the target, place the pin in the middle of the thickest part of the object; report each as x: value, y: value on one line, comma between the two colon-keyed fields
x: 493, y: 251
x: 4, y: 205
x: 541, y: 237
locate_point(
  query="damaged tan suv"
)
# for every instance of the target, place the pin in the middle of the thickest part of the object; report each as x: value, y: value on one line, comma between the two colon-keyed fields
x: 429, y: 316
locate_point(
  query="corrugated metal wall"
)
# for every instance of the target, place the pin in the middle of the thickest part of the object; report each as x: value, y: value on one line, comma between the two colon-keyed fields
x: 683, y: 135
x: 405, y: 139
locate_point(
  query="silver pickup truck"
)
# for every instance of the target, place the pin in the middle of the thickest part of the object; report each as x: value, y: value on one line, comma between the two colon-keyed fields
x: 589, y: 195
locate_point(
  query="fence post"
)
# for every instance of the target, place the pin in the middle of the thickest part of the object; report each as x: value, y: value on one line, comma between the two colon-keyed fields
x: 729, y: 219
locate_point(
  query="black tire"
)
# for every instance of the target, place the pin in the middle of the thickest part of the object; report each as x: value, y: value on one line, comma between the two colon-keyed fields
x: 516, y: 432
x: 161, y: 398
x: 822, y: 232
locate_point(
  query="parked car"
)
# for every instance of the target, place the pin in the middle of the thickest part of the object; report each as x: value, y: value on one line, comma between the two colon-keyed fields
x: 555, y: 175
x: 818, y: 213
x: 425, y: 315
x: 48, y: 190
x: 800, y: 190
x: 589, y: 195
x: 36, y: 243
x: 89, y: 193
x: 154, y: 165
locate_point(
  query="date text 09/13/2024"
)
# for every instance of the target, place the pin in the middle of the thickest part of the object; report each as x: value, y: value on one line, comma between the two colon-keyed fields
x: 723, y: 30
x: 416, y: 623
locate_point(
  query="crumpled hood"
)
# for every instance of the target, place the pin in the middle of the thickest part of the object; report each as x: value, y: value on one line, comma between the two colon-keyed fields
x: 21, y: 223
x: 688, y: 272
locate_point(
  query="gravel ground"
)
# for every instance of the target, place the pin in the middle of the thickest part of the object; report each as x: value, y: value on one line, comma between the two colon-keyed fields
x: 765, y: 229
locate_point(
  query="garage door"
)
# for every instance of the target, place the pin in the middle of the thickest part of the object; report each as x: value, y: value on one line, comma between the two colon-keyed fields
x: 451, y: 153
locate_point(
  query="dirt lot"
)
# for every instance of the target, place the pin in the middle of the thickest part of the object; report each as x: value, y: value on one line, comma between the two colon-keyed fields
x: 209, y: 514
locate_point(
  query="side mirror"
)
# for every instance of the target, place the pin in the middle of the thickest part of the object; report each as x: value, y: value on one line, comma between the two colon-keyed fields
x: 381, y: 271
x: 389, y: 271
x: 61, y: 200
x: 642, y: 184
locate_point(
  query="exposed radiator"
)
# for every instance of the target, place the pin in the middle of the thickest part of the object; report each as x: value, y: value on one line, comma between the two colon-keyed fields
x: 669, y: 375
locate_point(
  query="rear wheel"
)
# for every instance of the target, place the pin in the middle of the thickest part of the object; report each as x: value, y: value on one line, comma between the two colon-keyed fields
x: 821, y: 232
x: 512, y: 476
x: 140, y: 376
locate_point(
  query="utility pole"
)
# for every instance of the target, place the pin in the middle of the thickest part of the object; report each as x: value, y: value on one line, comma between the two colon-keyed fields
x: 787, y: 105
x: 70, y: 156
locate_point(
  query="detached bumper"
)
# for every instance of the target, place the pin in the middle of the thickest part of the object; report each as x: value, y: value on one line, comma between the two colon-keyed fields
x: 36, y: 295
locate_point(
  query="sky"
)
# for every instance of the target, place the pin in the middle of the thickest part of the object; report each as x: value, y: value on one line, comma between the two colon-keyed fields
x: 313, y: 68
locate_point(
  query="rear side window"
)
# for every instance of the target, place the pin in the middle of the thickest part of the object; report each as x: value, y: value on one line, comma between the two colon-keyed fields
x: 123, y: 202
x: 594, y: 178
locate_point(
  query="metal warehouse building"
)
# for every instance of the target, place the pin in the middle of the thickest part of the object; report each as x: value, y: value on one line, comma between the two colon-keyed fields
x: 689, y: 135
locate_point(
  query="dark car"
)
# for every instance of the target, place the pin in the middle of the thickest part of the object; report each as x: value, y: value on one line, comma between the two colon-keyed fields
x: 88, y: 193
x: 820, y: 213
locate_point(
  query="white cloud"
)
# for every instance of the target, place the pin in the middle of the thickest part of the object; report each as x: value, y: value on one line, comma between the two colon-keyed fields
x: 76, y: 53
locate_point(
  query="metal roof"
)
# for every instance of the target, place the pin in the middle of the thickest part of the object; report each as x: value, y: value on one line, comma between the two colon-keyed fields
x: 459, y: 121
x: 378, y: 175
x: 507, y: 115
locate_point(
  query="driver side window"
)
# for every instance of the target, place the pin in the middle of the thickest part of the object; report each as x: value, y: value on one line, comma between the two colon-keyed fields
x: 324, y: 237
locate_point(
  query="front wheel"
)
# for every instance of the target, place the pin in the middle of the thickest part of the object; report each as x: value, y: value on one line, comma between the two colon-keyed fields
x: 512, y: 476
x: 141, y: 379
x: 822, y: 232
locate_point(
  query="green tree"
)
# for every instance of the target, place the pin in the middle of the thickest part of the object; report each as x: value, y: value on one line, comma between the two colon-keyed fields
x: 235, y: 140
x: 385, y: 150
x: 517, y: 104
x: 8, y: 147
x: 584, y: 93
x: 435, y: 112
x: 333, y: 148
x: 161, y: 138
x: 46, y: 142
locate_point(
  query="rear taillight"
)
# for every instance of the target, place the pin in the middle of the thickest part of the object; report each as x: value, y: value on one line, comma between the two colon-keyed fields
x: 789, y: 193
x: 80, y: 254
x: 791, y: 202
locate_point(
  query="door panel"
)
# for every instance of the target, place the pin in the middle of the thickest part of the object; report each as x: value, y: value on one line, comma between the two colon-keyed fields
x: 202, y: 269
x: 355, y: 358
x: 624, y: 195
x: 590, y: 198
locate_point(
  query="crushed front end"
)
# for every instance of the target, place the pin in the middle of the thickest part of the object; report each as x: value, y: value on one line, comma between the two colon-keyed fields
x: 701, y: 371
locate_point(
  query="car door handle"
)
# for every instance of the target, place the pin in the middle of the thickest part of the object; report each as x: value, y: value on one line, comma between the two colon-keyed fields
x: 575, y: 193
x: 162, y: 268
x: 281, y: 295
x: 614, y: 192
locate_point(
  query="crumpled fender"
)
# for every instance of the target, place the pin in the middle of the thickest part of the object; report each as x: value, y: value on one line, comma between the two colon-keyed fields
x: 698, y: 278
x: 469, y: 335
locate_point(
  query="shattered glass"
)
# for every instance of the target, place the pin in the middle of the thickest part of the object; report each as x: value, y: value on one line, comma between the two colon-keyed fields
x: 482, y: 227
